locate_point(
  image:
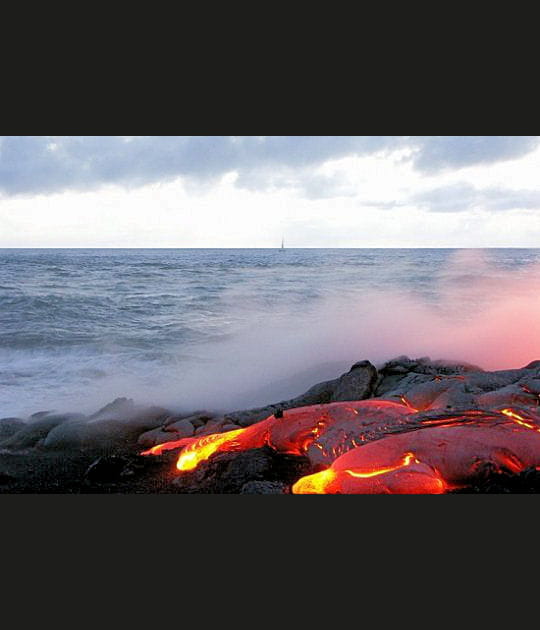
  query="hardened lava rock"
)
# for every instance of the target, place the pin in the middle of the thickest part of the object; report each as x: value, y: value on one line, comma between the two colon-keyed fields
x: 232, y: 473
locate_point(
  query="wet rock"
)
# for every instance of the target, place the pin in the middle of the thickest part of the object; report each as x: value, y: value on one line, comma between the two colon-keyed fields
x: 356, y: 384
x: 67, y: 435
x: 10, y: 426
x: 141, y: 418
x: 33, y: 432
x: 264, y: 487
x: 87, y: 435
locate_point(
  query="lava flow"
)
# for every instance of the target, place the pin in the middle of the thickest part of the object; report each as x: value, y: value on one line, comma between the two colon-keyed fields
x: 431, y: 460
x: 519, y: 419
x: 321, y: 432
x: 408, y: 476
x: 205, y: 447
x: 379, y: 446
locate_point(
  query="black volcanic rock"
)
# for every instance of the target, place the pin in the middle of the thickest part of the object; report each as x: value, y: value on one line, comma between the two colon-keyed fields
x: 228, y: 473
x: 526, y: 482
x: 264, y: 487
x: 108, y: 469
x: 6, y: 478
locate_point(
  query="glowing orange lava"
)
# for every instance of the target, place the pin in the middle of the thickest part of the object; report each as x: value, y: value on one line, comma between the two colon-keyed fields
x: 378, y: 446
x: 407, y: 403
x: 201, y: 449
x: 421, y: 480
x: 159, y: 449
x: 314, y: 484
x: 516, y: 417
x: 408, y: 458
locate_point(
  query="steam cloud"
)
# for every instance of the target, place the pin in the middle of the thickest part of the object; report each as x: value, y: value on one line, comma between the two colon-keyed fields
x: 480, y: 314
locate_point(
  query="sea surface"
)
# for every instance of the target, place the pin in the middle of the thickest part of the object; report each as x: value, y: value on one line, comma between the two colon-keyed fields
x: 232, y: 327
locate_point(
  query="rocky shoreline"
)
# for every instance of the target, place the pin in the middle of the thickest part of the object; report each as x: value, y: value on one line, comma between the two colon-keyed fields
x: 101, y: 453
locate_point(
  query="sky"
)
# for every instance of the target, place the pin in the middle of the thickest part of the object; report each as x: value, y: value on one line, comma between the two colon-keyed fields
x: 250, y: 191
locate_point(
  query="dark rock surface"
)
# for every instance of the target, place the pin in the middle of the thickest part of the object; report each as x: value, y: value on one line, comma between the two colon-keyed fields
x: 228, y: 473
x: 83, y: 472
x: 5, y: 478
x: 265, y: 487
x: 33, y: 432
x: 106, y: 469
x: 526, y: 482
x: 10, y: 426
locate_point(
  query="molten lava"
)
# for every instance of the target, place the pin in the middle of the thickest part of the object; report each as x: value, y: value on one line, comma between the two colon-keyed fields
x: 379, y: 446
x: 432, y: 460
x: 519, y: 419
x: 159, y: 449
x: 408, y: 475
x: 201, y: 450
x: 321, y: 432
x: 408, y: 458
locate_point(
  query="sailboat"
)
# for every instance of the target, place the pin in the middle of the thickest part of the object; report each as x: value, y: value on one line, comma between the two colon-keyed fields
x: 282, y: 243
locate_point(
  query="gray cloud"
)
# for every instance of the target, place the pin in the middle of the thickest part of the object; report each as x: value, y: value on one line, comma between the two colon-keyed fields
x: 462, y: 196
x: 46, y: 164
x: 436, y: 153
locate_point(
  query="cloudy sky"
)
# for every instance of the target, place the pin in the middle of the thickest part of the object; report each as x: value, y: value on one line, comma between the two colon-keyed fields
x: 248, y: 191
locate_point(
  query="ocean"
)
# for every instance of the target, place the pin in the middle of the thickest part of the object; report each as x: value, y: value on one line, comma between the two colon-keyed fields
x: 230, y: 328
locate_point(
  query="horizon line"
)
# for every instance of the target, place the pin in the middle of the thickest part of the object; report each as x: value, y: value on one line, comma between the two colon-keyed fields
x: 275, y: 248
